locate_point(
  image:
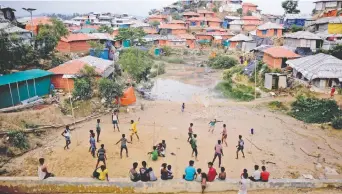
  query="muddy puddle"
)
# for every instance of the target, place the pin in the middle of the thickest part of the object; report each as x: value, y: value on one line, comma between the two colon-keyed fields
x: 177, y: 91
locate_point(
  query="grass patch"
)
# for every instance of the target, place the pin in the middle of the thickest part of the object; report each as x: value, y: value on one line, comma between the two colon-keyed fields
x: 276, y: 105
x: 18, y: 139
x: 173, y: 60
x: 236, y: 91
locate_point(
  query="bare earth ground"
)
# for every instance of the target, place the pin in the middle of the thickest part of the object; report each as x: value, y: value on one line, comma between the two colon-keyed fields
x: 281, y: 142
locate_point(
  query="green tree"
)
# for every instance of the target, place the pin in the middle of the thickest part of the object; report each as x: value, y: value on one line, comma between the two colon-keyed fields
x: 106, y: 29
x: 290, y: 6
x: 136, y: 63
x: 155, y: 24
x: 249, y: 13
x: 239, y: 11
x: 48, y: 37
x: 295, y: 28
x: 215, y: 9
x: 222, y: 62
x: 82, y: 89
x: 336, y: 51
x: 176, y: 16
x: 110, y: 89
x: 97, y: 46
x: 132, y: 34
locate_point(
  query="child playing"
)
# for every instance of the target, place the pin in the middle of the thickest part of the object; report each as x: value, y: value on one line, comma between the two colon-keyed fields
x: 66, y: 135
x: 154, y: 153
x: 169, y: 172
x: 91, y: 133
x: 98, y: 129
x: 204, y: 181
x: 222, y: 175
x: 152, y: 175
x: 198, y: 175
x: 92, y: 144
x: 212, y: 125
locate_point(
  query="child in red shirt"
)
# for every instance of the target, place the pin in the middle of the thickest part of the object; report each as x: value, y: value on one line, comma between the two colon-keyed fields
x: 212, y: 172
x: 264, y: 175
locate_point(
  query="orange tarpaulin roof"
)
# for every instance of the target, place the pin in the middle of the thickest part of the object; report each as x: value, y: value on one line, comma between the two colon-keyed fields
x: 128, y: 97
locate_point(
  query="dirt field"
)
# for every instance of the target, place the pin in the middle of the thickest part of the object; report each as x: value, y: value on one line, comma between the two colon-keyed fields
x: 287, y: 147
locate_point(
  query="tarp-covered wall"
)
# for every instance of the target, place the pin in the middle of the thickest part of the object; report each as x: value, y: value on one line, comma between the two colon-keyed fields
x: 335, y: 28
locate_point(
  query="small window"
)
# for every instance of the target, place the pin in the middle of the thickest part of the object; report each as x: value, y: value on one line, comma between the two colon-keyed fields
x: 264, y: 32
x: 275, y: 32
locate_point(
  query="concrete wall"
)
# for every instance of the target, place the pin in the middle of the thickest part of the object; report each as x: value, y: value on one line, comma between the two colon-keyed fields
x: 270, y: 33
x: 89, y: 185
x: 272, y: 63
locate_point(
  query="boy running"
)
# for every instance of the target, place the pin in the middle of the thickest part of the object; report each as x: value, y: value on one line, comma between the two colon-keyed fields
x: 240, y: 146
x: 124, y: 141
x: 224, y: 135
x: 134, y: 129
x: 115, y: 119
x: 66, y: 134
x: 190, y: 131
x: 98, y: 129
x: 212, y: 125
x: 101, y: 155
x: 193, y: 143
x: 218, y: 152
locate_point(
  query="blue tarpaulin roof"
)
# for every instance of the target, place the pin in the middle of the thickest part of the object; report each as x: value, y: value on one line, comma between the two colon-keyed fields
x: 23, y: 76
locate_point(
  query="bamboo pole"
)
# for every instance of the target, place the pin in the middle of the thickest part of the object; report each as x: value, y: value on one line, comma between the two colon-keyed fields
x: 9, y: 85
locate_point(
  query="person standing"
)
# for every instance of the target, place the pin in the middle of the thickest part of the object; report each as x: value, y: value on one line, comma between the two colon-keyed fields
x: 190, y: 132
x: 115, y: 119
x: 134, y: 129
x: 98, y: 130
x: 124, y: 142
x: 218, y: 152
x: 193, y: 143
x: 240, y: 147
x: 42, y: 170
x: 101, y: 156
x: 66, y: 134
x: 332, y: 92
x: 204, y: 180
x: 212, y: 172
x: 92, y: 144
x: 243, y: 184
x: 224, y: 135
x: 183, y: 107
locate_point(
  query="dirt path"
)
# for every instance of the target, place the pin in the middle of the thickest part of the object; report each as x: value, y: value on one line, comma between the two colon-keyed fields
x: 280, y: 138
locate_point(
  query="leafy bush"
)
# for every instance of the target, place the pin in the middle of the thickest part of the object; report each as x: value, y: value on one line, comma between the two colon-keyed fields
x: 339, y: 91
x: 82, y: 89
x: 167, y: 51
x: 157, y: 69
x: 276, y: 105
x: 110, y: 89
x: 174, y: 60
x: 236, y: 91
x: 314, y: 110
x: 228, y: 73
x: 222, y: 62
x: 337, y: 122
x: 18, y: 139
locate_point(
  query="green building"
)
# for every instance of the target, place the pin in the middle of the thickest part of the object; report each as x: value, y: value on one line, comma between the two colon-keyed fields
x: 23, y: 85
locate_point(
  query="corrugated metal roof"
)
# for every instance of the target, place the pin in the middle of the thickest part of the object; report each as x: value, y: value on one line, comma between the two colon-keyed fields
x: 23, y: 76
x: 270, y: 25
x: 297, y: 16
x: 209, y: 19
x: 262, y: 47
x: 250, y: 18
x: 151, y: 37
x: 281, y: 52
x: 186, y: 36
x: 204, y: 11
x: 73, y: 67
x: 232, y: 17
x: 176, y: 22
x: 240, y: 37
x: 330, y: 20
x: 318, y: 66
x: 190, y: 13
x: 170, y: 26
x: 303, y: 35
x: 236, y: 22
x: 249, y: 4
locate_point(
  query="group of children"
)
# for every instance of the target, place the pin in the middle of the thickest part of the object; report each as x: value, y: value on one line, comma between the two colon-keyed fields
x: 147, y: 174
x: 158, y: 150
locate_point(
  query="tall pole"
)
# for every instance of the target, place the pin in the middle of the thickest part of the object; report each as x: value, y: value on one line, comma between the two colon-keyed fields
x: 30, y: 10
x: 255, y: 64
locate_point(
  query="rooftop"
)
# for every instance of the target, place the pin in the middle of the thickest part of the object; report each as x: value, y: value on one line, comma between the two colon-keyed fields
x: 157, y: 17
x: 176, y: 22
x: 204, y: 11
x: 73, y: 67
x: 10, y: 28
x: 186, y: 36
x: 318, y: 66
x: 250, y: 18
x: 240, y: 38
x: 81, y: 37
x: 23, y: 76
x: 281, y: 52
x: 249, y: 4
x: 303, y: 35
x: 270, y: 25
x: 209, y: 19
x: 330, y: 20
x: 190, y: 13
x: 170, y: 26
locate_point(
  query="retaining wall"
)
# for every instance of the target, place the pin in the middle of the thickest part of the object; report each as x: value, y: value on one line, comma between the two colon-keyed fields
x: 122, y: 185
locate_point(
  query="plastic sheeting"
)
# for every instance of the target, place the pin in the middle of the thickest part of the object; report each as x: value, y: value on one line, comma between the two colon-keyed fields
x: 303, y: 51
x: 335, y: 28
x: 128, y: 97
x: 249, y: 70
x: 262, y: 41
